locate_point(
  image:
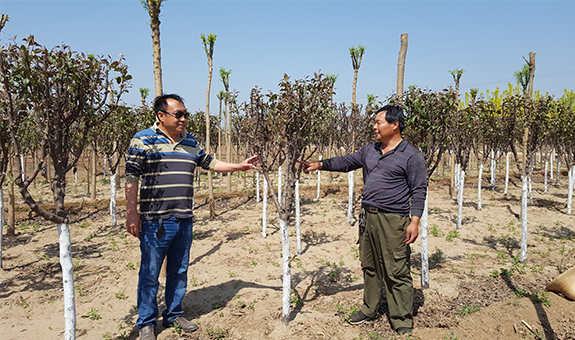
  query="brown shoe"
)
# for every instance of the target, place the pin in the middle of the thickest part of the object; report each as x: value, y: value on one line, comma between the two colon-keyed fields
x: 147, y: 333
x: 183, y: 323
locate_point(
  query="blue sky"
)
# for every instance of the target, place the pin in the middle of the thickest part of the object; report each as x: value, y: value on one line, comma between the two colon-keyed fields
x: 262, y: 40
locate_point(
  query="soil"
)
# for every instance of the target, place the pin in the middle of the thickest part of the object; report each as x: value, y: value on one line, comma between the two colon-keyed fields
x: 478, y: 288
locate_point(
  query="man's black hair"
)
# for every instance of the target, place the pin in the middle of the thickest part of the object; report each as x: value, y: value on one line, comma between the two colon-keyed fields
x: 161, y: 104
x: 393, y: 114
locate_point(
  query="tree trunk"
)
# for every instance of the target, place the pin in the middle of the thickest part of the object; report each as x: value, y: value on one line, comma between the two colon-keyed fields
x: 210, y: 177
x: 558, y: 171
x: 401, y: 65
x: 318, y: 181
x: 452, y: 184
x: 506, y: 173
x: 113, y: 198
x: 545, y: 177
x: 154, y: 11
x: 479, y: 177
x: 424, y: 252
x: 257, y: 187
x: 68, y: 281
x: 460, y: 199
x: 11, y: 219
x: 493, y: 168
x: 93, y: 177
x: 570, y: 188
x: 265, y: 208
x: 297, y: 217
x: 350, y: 196
x: 523, y: 255
x: 229, y: 141
x: 286, y: 271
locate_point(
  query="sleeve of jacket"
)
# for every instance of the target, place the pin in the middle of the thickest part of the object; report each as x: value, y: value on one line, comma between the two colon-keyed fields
x: 345, y: 163
x: 417, y: 182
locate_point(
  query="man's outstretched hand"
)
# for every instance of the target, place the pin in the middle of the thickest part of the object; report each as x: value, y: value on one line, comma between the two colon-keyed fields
x: 311, y: 166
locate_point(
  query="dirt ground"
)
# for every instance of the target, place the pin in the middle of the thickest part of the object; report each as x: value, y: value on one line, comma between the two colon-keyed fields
x: 477, y: 289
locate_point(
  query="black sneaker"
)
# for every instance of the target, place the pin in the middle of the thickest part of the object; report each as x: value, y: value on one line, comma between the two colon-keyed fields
x: 358, y: 318
x: 404, y: 330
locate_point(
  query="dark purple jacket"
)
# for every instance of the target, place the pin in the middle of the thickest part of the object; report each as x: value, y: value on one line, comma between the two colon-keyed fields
x: 392, y: 180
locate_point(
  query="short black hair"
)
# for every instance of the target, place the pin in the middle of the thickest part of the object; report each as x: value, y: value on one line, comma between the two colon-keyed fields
x: 161, y: 104
x: 393, y: 113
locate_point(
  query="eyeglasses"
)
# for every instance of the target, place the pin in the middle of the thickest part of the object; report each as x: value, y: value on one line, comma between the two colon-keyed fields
x: 179, y: 114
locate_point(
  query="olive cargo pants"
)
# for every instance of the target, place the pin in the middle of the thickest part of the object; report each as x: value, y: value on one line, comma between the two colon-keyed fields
x: 385, y: 261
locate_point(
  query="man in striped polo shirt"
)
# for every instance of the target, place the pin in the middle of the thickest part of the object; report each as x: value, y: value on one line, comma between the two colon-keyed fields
x: 393, y: 199
x: 165, y: 157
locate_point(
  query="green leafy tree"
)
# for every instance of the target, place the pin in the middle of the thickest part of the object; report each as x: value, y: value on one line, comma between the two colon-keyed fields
x: 65, y: 94
x: 279, y: 128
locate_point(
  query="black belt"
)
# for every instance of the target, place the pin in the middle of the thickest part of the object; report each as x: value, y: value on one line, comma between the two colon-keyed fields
x: 374, y: 210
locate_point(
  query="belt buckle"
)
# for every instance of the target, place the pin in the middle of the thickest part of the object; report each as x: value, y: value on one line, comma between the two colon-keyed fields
x: 372, y: 210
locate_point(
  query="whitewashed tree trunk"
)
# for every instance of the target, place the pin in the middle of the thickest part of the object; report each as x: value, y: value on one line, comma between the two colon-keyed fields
x: 424, y: 252
x: 457, y: 174
x: 479, y: 177
x: 545, y: 178
x: 286, y: 272
x: 318, y: 181
x: 350, y: 196
x: 257, y: 187
x: 570, y: 188
x: 68, y: 281
x: 113, y: 198
x: 460, y: 199
x: 265, y: 212
x: 297, y: 217
x: 76, y: 177
x: 523, y: 255
x: 1, y: 221
x: 493, y: 168
x: 23, y: 167
x: 506, y: 173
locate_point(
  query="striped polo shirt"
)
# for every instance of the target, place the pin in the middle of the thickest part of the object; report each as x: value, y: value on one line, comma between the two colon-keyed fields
x: 395, y: 182
x: 167, y: 172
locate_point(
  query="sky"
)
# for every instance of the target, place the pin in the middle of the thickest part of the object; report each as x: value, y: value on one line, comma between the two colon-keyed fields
x: 260, y: 41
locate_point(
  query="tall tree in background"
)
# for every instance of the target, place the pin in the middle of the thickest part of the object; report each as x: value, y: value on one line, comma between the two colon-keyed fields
x: 356, y: 54
x: 209, y: 43
x: 3, y: 19
x: 456, y: 74
x: 221, y: 96
x: 401, y: 66
x: 225, y: 78
x: 153, y: 8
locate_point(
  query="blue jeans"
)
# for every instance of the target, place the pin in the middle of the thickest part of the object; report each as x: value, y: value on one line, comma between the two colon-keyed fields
x: 175, y: 243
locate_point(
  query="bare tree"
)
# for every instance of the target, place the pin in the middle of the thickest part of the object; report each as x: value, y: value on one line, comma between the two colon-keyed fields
x: 153, y: 7
x: 225, y: 78
x: 401, y: 65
